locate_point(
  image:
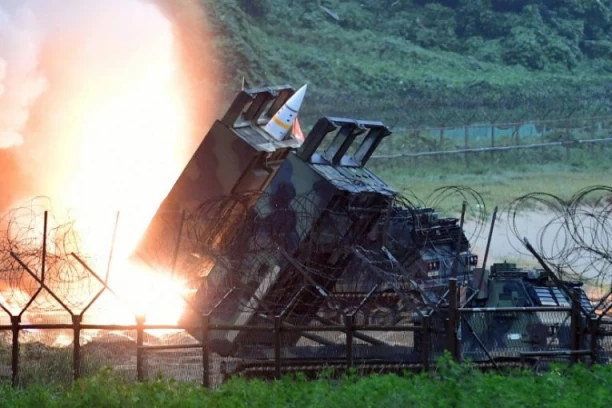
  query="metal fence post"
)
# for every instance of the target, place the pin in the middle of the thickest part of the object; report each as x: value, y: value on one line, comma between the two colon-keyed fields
x: 76, y: 350
x: 139, y: 347
x: 493, y: 142
x: 567, y: 145
x: 594, y: 331
x: 205, y: 352
x: 349, y: 319
x: 575, y: 325
x: 466, y: 142
x: 15, y: 320
x: 277, y: 347
x: 452, y: 317
x: 517, y: 141
x: 426, y: 342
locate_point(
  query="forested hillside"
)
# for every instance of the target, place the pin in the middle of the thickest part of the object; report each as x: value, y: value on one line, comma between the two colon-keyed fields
x: 432, y: 61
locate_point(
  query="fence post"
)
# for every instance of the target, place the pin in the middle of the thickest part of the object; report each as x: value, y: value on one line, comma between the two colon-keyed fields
x: 567, y: 144
x: 593, y: 133
x: 139, y: 347
x: 575, y: 325
x: 517, y: 141
x: 493, y: 142
x: 604, y: 128
x: 15, y: 320
x: 542, y: 149
x: 594, y: 330
x: 349, y: 320
x: 416, y: 160
x: 452, y: 318
x: 277, y: 347
x: 466, y: 144
x: 205, y: 352
x: 76, y: 346
x: 426, y: 342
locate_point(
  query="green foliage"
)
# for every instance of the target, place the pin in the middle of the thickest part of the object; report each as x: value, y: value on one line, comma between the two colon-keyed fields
x: 421, y: 61
x: 451, y: 385
x: 256, y: 8
x: 44, y: 365
x: 523, y: 47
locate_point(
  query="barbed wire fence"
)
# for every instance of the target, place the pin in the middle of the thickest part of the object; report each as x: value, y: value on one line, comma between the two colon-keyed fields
x: 49, y: 290
x: 575, y: 238
x: 49, y: 287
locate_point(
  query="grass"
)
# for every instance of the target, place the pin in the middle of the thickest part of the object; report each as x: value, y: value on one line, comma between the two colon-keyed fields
x: 452, y: 385
x: 49, y: 366
x: 498, y: 184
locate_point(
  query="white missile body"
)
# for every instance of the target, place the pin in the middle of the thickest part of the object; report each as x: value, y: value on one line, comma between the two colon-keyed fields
x: 281, y: 123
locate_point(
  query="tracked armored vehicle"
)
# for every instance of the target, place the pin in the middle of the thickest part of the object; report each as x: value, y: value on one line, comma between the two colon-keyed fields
x: 520, y: 312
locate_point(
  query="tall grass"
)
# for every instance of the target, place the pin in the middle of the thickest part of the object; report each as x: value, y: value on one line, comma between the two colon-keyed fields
x: 452, y: 385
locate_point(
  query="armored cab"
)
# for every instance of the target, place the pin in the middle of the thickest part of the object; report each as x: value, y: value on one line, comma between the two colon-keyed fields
x: 431, y: 248
x: 298, y: 238
x: 504, y: 329
x: 410, y: 262
x: 236, y: 155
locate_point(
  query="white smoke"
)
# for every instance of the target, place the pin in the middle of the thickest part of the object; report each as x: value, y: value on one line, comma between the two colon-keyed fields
x: 62, y: 59
x: 21, y: 82
x: 100, y: 108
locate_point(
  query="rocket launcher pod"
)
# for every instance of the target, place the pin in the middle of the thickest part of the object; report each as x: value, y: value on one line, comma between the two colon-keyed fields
x: 268, y: 227
x: 236, y: 155
x: 298, y: 225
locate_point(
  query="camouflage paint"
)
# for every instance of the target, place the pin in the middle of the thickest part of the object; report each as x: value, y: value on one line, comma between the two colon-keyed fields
x: 235, y: 155
x: 306, y: 196
x: 302, y: 207
x: 507, y: 334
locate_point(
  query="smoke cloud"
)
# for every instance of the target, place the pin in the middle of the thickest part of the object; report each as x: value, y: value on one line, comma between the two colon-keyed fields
x: 20, y: 81
x: 97, y: 83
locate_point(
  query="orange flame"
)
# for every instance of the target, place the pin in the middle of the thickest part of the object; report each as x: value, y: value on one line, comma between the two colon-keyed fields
x: 118, y: 137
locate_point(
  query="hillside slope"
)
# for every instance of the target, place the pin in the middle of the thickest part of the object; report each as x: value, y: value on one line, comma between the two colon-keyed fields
x: 424, y: 61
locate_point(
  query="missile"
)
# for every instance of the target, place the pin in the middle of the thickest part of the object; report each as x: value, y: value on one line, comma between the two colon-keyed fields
x: 281, y: 123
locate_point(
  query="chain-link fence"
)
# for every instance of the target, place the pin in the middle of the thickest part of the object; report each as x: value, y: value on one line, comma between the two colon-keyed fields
x: 543, y: 141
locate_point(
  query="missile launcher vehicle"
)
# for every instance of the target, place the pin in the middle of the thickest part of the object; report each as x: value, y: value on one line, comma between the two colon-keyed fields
x: 267, y: 227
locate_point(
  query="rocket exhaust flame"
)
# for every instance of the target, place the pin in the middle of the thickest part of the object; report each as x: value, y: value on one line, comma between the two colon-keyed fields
x: 95, y: 114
